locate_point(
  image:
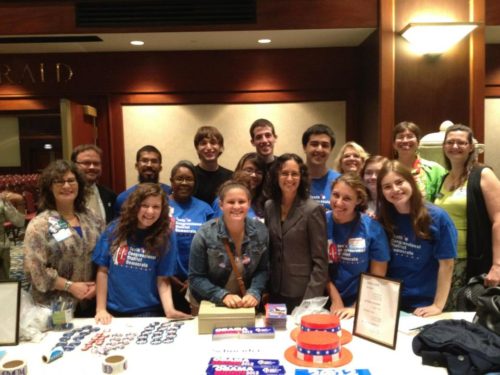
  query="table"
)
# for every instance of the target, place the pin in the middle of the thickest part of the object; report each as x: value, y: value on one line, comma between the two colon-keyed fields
x: 190, y: 352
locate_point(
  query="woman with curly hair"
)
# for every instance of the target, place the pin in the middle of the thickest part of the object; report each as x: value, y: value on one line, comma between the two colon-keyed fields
x: 135, y: 257
x: 297, y: 233
x: 59, y: 241
x: 422, y: 238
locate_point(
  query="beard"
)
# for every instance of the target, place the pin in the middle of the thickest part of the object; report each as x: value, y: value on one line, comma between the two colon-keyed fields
x: 154, y: 178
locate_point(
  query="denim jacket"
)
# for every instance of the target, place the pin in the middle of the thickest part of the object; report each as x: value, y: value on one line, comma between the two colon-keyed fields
x: 210, y: 267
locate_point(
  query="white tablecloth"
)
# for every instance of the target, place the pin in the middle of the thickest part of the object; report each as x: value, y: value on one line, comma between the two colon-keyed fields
x: 190, y: 352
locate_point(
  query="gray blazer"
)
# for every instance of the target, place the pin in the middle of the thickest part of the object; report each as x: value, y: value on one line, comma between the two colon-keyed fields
x: 298, y: 249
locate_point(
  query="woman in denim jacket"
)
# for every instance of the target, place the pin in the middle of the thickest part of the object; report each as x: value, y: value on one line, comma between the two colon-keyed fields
x: 211, y: 275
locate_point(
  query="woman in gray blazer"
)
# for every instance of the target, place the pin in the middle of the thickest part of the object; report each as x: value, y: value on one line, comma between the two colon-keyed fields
x: 297, y: 231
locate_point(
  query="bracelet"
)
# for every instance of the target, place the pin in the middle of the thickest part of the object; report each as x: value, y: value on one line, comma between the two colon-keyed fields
x: 67, y: 285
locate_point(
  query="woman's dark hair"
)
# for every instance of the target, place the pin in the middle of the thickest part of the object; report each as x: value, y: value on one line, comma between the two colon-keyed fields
x: 420, y: 218
x: 56, y: 171
x: 273, y: 187
x: 401, y: 127
x: 157, y: 234
x: 185, y: 164
x: 370, y: 160
x: 353, y: 180
x: 473, y: 155
x: 258, y: 196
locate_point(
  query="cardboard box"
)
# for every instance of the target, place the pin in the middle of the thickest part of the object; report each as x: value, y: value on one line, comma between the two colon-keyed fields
x: 211, y: 316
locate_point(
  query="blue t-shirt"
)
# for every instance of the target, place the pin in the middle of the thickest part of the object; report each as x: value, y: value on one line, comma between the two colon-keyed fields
x: 351, y: 247
x: 415, y: 261
x: 132, y: 273
x: 218, y: 212
x: 321, y: 188
x: 189, y: 217
x: 122, y: 197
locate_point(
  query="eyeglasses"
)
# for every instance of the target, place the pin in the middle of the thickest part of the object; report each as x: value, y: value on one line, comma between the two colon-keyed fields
x: 294, y: 175
x: 452, y: 143
x: 251, y: 171
x: 89, y: 163
x: 181, y: 179
x: 69, y: 181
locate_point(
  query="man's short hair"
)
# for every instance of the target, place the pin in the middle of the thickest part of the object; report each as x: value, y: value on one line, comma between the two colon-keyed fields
x: 209, y: 132
x: 82, y: 148
x: 260, y: 123
x: 147, y: 148
x: 318, y: 129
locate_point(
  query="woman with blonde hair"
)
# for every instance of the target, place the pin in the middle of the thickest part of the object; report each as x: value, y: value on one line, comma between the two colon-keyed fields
x: 351, y: 158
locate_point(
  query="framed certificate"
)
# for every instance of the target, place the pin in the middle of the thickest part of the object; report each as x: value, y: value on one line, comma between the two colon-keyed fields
x: 377, y: 310
x: 10, y: 295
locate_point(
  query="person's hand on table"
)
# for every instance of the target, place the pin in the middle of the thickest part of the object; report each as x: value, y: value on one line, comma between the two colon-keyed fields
x: 249, y: 301
x: 232, y: 300
x: 344, y: 313
x: 426, y: 311
x: 176, y: 314
x: 103, y: 317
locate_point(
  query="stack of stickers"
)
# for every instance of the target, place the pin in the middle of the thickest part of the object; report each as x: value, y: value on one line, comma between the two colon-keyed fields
x: 319, y: 342
x: 243, y: 333
x: 276, y: 315
x: 244, y: 366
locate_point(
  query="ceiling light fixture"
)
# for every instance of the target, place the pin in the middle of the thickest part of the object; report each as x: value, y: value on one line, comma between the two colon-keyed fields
x: 137, y: 42
x: 434, y: 38
x: 264, y: 41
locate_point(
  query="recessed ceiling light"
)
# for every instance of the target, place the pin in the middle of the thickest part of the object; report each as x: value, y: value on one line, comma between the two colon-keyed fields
x: 264, y: 41
x: 137, y: 42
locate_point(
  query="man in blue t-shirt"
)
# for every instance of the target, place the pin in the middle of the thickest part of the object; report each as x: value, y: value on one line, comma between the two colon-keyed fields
x: 318, y: 142
x: 148, y: 165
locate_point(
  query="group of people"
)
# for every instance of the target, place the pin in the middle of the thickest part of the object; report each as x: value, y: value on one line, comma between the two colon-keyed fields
x: 277, y: 229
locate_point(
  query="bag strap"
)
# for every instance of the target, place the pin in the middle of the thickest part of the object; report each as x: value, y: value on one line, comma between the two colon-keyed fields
x: 241, y: 283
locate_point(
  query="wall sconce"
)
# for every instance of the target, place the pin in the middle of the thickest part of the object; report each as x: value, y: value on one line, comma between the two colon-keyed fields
x: 434, y: 38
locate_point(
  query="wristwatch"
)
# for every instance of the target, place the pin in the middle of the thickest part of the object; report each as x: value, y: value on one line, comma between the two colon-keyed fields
x: 67, y: 285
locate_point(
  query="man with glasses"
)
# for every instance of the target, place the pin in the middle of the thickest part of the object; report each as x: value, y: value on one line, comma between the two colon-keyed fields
x: 148, y: 165
x: 101, y: 200
x: 318, y: 142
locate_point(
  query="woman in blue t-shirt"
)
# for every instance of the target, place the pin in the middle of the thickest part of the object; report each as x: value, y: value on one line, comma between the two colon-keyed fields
x: 189, y: 214
x: 422, y: 237
x: 356, y: 243
x: 135, y: 257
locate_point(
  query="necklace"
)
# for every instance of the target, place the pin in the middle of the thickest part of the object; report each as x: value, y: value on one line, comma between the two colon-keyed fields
x: 454, y: 182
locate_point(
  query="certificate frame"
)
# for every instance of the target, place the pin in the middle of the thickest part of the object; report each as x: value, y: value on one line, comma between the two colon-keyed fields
x: 377, y: 310
x: 10, y: 295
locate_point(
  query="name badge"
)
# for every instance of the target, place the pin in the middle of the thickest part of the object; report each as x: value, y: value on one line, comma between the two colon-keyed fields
x: 59, y: 229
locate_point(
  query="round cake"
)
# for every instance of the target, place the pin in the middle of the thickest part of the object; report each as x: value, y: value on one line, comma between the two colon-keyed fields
x: 318, y: 347
x: 321, y: 322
